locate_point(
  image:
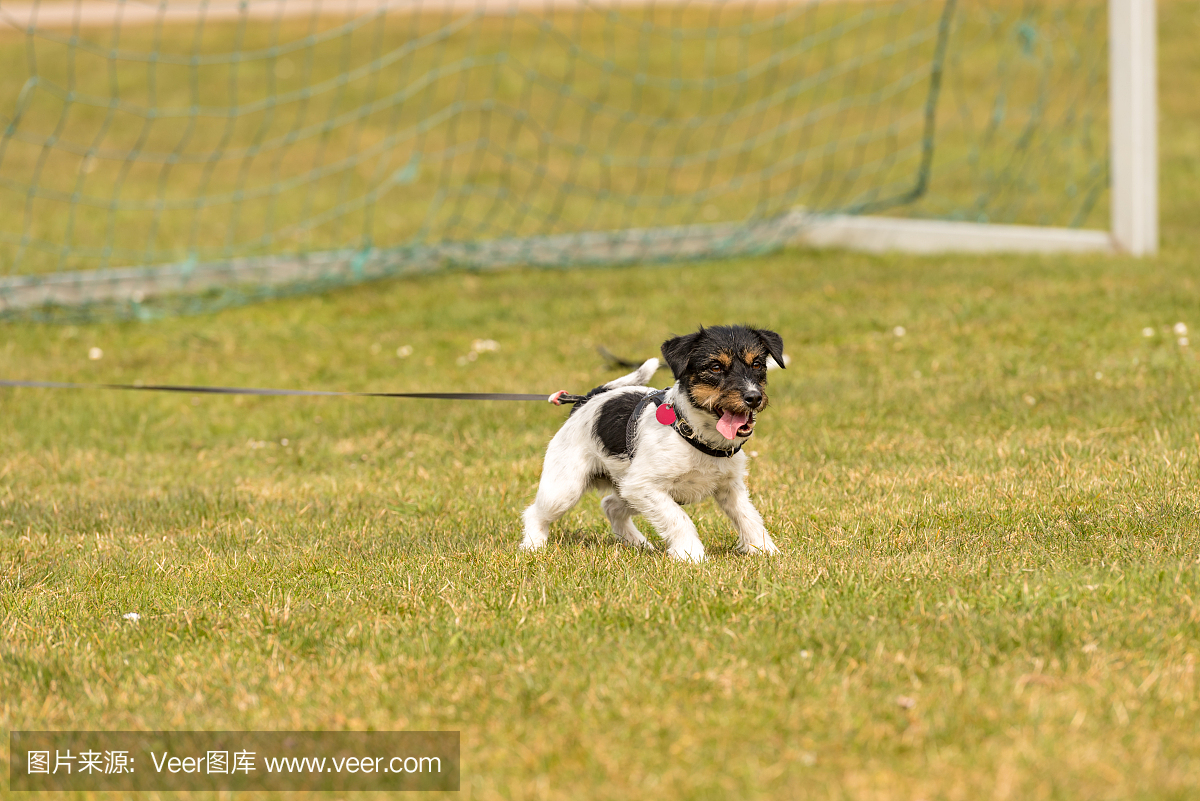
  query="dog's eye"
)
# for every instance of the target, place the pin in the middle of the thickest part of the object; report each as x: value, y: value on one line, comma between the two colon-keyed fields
x: 759, y: 364
x: 715, y: 368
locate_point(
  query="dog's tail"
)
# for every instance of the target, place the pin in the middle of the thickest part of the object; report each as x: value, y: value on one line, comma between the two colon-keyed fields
x: 614, y: 360
x: 639, y: 377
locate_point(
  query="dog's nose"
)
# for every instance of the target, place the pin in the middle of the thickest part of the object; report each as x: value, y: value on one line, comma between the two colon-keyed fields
x: 752, y: 397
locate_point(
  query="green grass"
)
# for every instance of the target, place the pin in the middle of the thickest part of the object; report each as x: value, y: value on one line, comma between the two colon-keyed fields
x: 991, y: 555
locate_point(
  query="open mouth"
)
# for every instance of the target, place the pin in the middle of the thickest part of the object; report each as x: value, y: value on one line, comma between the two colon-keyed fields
x: 734, y: 424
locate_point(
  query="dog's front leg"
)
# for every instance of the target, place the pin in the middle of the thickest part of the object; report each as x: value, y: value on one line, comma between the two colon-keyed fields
x: 669, y: 520
x: 734, y: 501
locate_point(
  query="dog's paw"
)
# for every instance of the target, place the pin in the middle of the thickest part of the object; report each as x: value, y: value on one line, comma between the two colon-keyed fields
x: 765, y: 547
x: 531, y: 545
x: 687, y: 552
x: 637, y: 545
x: 633, y: 539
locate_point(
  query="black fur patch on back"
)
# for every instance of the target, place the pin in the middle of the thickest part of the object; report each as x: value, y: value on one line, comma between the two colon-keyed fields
x: 612, y: 421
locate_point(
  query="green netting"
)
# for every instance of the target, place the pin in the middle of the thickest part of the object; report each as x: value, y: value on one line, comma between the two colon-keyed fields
x: 160, y: 157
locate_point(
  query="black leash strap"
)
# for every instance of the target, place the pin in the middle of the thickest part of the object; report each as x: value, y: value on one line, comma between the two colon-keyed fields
x: 558, y: 398
x: 481, y: 396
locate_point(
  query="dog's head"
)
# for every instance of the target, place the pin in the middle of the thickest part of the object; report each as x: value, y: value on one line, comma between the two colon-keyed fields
x: 723, y: 370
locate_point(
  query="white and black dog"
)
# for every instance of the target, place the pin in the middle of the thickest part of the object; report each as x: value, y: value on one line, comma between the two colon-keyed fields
x: 653, y: 450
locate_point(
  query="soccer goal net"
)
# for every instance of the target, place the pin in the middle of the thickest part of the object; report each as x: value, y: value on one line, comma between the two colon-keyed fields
x: 184, y: 155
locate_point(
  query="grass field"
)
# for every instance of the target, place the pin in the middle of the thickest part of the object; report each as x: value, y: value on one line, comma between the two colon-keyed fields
x: 990, y: 576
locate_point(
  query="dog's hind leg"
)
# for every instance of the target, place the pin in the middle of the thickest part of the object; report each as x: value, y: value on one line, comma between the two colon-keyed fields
x: 557, y: 494
x: 537, y: 528
x: 620, y: 515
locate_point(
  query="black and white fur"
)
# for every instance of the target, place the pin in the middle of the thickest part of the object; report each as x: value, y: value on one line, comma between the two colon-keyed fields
x: 590, y: 450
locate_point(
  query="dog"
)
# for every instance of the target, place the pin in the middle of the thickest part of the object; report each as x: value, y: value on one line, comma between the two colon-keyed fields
x: 652, y: 451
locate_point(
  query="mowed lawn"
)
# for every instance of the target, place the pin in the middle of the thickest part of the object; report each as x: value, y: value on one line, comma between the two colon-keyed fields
x: 983, y: 474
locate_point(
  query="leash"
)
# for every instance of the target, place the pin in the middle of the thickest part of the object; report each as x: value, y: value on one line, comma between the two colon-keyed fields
x: 193, y: 390
x: 558, y: 398
x: 665, y: 413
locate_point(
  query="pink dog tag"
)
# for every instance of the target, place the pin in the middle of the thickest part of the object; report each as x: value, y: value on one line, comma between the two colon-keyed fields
x: 665, y: 415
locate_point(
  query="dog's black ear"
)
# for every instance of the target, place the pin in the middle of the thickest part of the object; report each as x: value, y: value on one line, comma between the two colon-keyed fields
x: 774, y: 344
x: 677, y: 350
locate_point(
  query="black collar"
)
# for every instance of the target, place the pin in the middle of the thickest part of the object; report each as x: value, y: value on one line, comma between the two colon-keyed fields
x: 681, y: 426
x: 688, y: 433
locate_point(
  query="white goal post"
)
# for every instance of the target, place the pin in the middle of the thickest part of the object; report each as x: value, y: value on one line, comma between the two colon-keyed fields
x: 1133, y: 110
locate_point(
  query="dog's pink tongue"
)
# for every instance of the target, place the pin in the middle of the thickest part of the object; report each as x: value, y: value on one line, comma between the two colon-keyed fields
x: 730, y: 423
